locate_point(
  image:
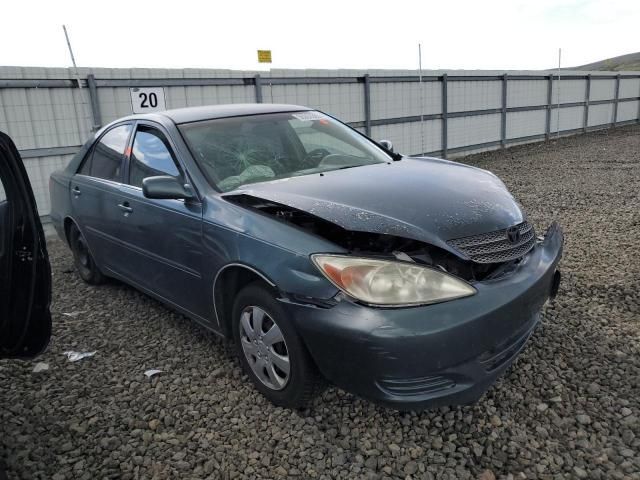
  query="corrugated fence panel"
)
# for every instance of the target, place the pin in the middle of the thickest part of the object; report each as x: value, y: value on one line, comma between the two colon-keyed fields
x: 343, y: 100
x: 629, y: 87
x: 570, y: 118
x: 408, y: 137
x: 523, y: 93
x: 600, y: 114
x: 61, y: 115
x: 474, y: 95
x: 16, y: 118
x: 394, y: 100
x: 628, y: 111
x: 523, y: 124
x: 473, y: 130
x: 45, y: 117
x: 114, y: 103
x: 569, y: 90
x: 603, y: 89
x: 72, y: 115
x: 179, y: 97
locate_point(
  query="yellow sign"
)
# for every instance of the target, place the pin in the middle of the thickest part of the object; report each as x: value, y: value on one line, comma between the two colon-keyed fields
x: 264, y: 56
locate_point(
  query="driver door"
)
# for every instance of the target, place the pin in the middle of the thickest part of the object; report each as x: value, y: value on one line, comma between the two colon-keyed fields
x: 162, y: 238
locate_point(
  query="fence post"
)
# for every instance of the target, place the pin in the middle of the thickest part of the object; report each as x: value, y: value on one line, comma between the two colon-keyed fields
x: 257, y: 83
x: 503, y: 119
x: 367, y: 105
x: 615, y: 102
x: 638, y: 107
x: 444, y: 116
x: 549, y: 99
x: 94, y: 104
x: 587, y: 96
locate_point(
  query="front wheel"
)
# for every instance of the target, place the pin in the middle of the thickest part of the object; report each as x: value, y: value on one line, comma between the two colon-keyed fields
x: 82, y: 258
x: 271, y: 352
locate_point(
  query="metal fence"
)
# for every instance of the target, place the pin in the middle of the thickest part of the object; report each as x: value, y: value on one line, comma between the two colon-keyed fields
x: 441, y: 113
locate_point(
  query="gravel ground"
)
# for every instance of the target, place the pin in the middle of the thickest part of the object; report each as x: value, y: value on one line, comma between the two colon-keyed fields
x: 569, y: 408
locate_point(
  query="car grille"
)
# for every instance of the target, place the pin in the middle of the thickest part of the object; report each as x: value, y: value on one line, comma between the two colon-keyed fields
x: 496, y: 247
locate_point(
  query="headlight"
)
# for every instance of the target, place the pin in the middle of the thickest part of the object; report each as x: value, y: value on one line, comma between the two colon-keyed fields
x: 390, y: 283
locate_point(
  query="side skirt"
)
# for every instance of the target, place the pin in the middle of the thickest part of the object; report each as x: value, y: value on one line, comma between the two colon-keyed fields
x: 205, y: 323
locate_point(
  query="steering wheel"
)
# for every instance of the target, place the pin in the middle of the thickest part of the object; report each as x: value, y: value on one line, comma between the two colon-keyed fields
x: 314, y: 157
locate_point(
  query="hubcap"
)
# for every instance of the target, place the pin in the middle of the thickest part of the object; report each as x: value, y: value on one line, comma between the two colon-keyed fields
x: 264, y: 348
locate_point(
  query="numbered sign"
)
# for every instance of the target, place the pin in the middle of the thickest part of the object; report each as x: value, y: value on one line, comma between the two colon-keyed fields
x: 147, y: 99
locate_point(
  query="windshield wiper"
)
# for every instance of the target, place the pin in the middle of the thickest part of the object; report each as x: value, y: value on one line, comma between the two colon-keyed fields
x: 348, y: 166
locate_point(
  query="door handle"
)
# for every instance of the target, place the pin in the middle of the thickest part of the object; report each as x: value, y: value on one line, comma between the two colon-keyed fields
x: 124, y: 206
x: 76, y: 191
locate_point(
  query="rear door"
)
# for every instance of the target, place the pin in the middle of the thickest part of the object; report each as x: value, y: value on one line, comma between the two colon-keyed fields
x: 95, y: 196
x: 163, y: 238
x: 25, y: 275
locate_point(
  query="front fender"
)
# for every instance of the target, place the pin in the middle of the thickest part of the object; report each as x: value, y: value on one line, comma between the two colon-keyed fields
x: 289, y: 270
x: 279, y: 251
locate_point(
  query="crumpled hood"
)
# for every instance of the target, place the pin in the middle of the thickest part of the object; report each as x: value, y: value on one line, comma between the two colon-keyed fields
x: 424, y: 199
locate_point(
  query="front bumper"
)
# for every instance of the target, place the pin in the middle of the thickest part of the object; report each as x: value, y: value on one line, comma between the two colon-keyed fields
x: 443, y: 354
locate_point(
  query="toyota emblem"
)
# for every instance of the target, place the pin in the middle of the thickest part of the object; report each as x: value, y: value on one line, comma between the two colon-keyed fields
x: 513, y: 234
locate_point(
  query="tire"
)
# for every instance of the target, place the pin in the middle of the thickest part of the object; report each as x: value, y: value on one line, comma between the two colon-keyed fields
x: 82, y: 258
x: 299, y: 387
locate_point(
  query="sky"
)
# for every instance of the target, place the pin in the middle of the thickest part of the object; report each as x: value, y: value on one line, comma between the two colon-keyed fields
x: 482, y: 34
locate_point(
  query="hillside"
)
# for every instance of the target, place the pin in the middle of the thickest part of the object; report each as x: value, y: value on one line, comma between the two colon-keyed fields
x: 628, y: 62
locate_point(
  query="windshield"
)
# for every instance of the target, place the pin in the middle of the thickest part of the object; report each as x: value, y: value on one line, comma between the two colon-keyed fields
x: 241, y: 150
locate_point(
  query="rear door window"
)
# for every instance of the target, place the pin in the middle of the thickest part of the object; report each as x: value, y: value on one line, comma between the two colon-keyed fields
x: 107, y: 156
x: 151, y: 156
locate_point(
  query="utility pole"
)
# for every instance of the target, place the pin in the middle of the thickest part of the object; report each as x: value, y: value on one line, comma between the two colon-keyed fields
x: 73, y: 58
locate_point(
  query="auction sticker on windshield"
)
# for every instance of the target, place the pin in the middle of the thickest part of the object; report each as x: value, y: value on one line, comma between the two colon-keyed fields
x: 308, y: 116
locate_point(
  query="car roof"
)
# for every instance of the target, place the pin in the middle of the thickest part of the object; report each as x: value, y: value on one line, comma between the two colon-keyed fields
x: 209, y: 112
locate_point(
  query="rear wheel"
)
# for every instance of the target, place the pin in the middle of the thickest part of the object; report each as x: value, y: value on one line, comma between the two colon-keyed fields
x: 82, y: 258
x: 271, y: 352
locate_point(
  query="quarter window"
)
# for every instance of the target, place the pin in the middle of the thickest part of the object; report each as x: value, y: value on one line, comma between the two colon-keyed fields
x: 151, y: 156
x: 106, y: 159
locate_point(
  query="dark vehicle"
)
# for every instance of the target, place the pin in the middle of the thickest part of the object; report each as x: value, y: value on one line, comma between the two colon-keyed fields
x: 25, y: 275
x: 410, y: 281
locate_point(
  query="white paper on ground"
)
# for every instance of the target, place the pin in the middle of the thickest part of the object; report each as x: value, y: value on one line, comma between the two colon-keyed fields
x: 75, y: 356
x: 40, y: 367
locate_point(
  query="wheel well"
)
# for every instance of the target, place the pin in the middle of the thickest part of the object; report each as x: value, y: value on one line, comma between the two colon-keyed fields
x: 226, y: 286
x: 67, y: 226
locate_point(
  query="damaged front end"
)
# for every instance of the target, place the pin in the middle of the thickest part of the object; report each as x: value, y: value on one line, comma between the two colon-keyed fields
x: 474, y: 258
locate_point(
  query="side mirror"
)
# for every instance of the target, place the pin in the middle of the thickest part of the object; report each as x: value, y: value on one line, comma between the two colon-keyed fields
x: 165, y: 187
x: 387, y: 144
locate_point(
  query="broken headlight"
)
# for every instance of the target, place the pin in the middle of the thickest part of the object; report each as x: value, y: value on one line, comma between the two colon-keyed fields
x: 390, y: 283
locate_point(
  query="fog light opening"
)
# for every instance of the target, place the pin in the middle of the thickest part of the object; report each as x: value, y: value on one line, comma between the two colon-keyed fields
x: 555, y: 284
